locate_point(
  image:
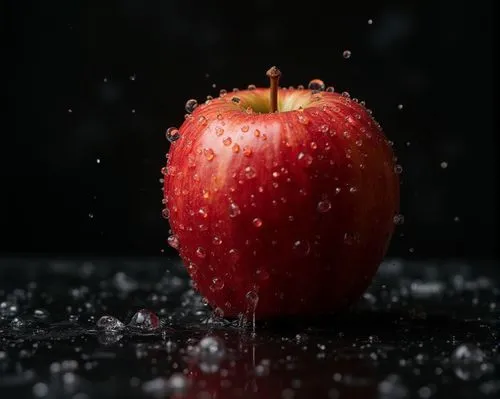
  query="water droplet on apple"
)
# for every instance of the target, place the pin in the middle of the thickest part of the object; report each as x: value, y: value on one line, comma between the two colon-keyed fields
x: 247, y: 151
x: 251, y: 87
x: 351, y: 238
x: 276, y: 174
x: 227, y: 141
x: 306, y: 159
x: 250, y: 172
x: 191, y: 105
x: 398, y: 169
x: 217, y: 240
x: 257, y: 222
x: 330, y: 89
x: 219, y: 117
x: 301, y: 247
x: 165, y: 213
x: 300, y: 87
x: 218, y: 313
x: 324, y: 205
x: 200, y: 252
x: 256, y: 133
x: 172, y: 134
x: 236, y: 148
x: 202, y: 120
x: 303, y: 119
x: 234, y: 210
x: 324, y: 128
x: 245, y: 128
x: 346, y: 94
x: 316, y: 85
x: 353, y: 189
x: 203, y: 212
x: 400, y: 106
x: 346, y: 54
x: 209, y: 154
x: 173, y: 241
x: 217, y: 284
x: 398, y: 219
x: 444, y: 165
x: 219, y: 131
x: 313, y: 145
x: 145, y: 320
x: 235, y: 100
x: 222, y: 92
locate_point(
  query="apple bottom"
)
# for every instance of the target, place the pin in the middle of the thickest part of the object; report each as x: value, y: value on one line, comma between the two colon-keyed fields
x: 311, y: 287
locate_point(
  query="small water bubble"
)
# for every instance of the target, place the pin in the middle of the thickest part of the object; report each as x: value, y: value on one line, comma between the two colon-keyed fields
x: 257, y: 222
x: 444, y: 165
x: 97, y: 160
x: 145, y: 321
x: 400, y: 106
x: 173, y: 241
x: 234, y: 210
x: 316, y: 85
x: 191, y: 105
x: 398, y: 169
x: 324, y: 205
x: 172, y: 134
x: 110, y: 324
x: 346, y: 54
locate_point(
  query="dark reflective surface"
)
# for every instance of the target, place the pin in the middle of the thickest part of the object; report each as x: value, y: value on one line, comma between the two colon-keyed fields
x: 424, y: 330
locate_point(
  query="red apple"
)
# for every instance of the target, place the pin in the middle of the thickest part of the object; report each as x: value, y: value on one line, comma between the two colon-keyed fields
x: 281, y: 200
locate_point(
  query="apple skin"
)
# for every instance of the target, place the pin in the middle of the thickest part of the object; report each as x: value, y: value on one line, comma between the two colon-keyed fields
x: 294, y: 208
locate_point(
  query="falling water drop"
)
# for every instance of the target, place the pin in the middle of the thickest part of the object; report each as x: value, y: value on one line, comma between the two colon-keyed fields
x: 346, y: 54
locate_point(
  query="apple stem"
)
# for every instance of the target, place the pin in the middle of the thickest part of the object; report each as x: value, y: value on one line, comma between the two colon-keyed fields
x: 274, y: 76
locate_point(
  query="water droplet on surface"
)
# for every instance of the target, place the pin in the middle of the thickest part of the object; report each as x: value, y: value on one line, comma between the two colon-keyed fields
x: 346, y: 54
x: 250, y: 172
x: 173, y: 241
x: 257, y: 222
x: 234, y: 210
x: 236, y: 148
x: 247, y: 151
x: 301, y: 247
x: 306, y: 159
x: 217, y: 240
x: 200, y: 252
x: 316, y: 85
x: 219, y: 131
x: 145, y: 321
x: 191, y: 105
x: 245, y: 128
x: 202, y: 120
x: 109, y: 324
x: 209, y: 154
x: 398, y: 219
x: 304, y: 120
x: 324, y: 206
x: 165, y: 213
x: 217, y: 284
x: 227, y: 141
x: 251, y: 87
x: 236, y: 100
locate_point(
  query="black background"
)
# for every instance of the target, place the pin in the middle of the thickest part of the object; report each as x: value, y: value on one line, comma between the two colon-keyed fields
x: 103, y: 80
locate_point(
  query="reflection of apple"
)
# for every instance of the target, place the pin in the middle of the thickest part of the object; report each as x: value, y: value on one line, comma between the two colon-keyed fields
x: 290, y: 211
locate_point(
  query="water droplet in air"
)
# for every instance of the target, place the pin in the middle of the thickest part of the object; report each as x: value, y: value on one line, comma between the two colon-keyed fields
x: 400, y: 106
x: 444, y: 165
x: 109, y: 324
x: 210, y: 351
x: 370, y: 21
x: 316, y: 85
x: 324, y: 206
x: 191, y: 105
x: 301, y: 247
x: 200, y: 252
x: 165, y: 213
x: 346, y: 54
x: 172, y: 134
x: 234, y: 210
x: 145, y: 321
x: 173, y: 241
x: 398, y: 169
x: 178, y: 383
x: 257, y: 222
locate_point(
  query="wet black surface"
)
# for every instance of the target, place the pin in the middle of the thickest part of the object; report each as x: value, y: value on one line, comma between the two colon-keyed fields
x: 424, y: 330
